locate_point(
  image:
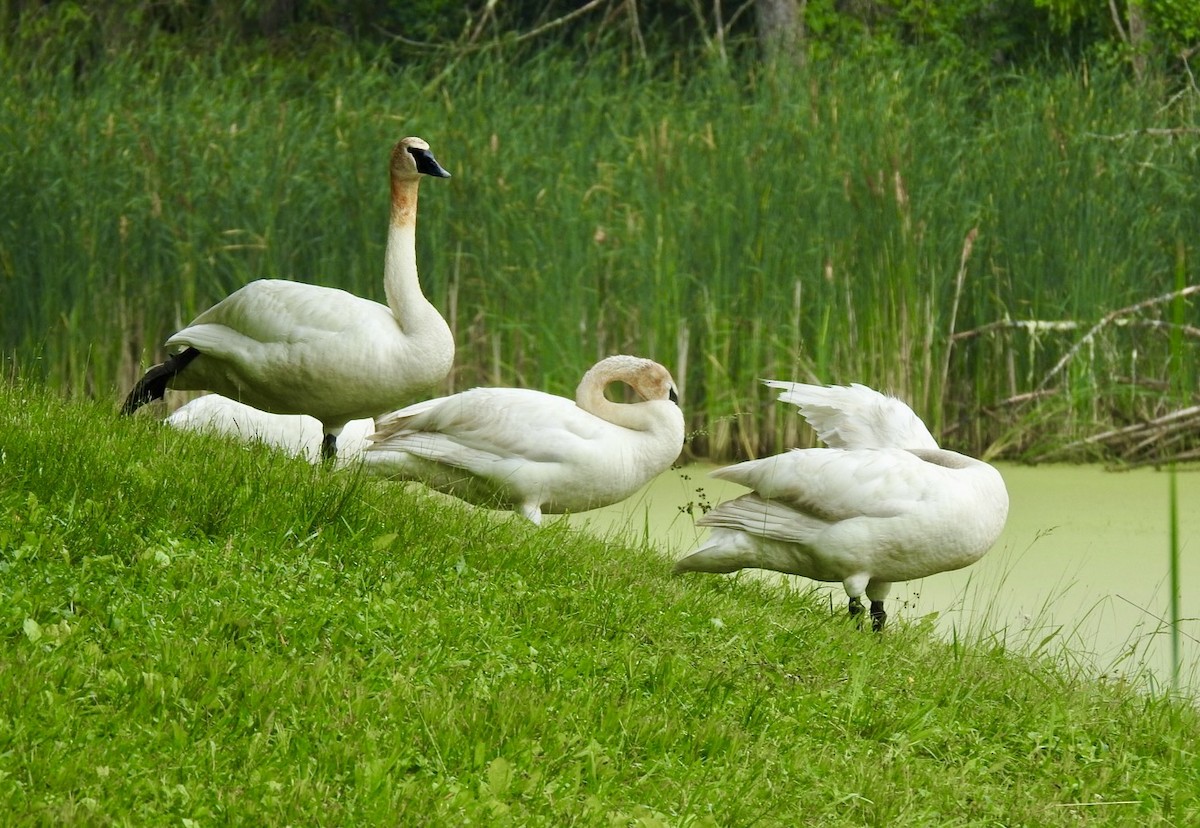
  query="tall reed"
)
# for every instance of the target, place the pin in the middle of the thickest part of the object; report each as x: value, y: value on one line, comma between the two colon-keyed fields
x: 880, y: 223
x: 1180, y: 373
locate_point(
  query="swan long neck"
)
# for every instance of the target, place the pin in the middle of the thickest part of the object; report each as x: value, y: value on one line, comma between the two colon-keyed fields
x: 400, y: 282
x: 590, y: 397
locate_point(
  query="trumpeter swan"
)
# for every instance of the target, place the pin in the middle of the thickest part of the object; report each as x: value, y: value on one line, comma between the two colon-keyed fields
x: 883, y: 504
x: 292, y: 348
x: 536, y: 452
x: 296, y: 434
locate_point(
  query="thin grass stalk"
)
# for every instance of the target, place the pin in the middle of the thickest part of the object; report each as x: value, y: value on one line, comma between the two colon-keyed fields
x: 959, y: 279
x: 1176, y: 597
x: 1182, y: 392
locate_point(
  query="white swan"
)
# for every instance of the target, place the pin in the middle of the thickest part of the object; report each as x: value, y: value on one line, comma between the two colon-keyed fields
x: 536, y: 452
x: 885, y: 504
x: 293, y: 348
x: 296, y: 434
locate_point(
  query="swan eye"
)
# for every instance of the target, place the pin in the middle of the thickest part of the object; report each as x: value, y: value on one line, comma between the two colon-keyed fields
x: 673, y: 396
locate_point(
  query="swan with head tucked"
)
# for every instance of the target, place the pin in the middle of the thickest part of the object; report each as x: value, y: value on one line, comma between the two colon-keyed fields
x: 292, y: 348
x: 884, y: 503
x: 537, y: 452
x: 296, y: 434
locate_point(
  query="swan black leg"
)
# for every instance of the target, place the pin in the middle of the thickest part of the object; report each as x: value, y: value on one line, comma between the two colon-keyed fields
x: 878, y: 616
x: 856, y: 610
x: 154, y: 384
x: 329, y: 448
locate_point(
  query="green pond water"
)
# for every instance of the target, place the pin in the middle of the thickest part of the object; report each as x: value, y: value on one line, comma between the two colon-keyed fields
x: 1081, y: 569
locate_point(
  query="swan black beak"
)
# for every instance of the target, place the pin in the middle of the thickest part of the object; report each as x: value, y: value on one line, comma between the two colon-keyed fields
x: 427, y: 164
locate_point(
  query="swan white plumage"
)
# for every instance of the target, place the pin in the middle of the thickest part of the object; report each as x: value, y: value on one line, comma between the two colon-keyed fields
x: 537, y: 452
x: 292, y: 348
x: 883, y: 504
x: 296, y: 434
x: 855, y: 416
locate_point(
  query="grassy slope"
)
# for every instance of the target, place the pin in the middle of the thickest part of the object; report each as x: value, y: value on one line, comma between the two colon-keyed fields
x: 196, y: 631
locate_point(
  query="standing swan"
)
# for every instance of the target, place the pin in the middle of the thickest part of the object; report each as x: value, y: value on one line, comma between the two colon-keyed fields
x: 883, y: 504
x: 536, y: 452
x: 293, y: 348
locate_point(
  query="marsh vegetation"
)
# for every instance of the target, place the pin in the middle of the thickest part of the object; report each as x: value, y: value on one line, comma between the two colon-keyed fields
x: 1003, y: 256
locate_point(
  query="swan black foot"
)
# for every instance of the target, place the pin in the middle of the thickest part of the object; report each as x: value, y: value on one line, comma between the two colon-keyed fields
x: 878, y: 616
x: 856, y: 609
x: 329, y: 448
x: 153, y: 385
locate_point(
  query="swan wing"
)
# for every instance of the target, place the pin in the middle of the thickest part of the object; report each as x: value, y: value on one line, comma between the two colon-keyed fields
x: 834, y: 485
x: 278, y: 312
x: 478, y: 428
x: 855, y: 416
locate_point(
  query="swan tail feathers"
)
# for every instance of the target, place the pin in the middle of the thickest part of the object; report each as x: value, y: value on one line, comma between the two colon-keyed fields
x: 154, y: 384
x: 721, y: 555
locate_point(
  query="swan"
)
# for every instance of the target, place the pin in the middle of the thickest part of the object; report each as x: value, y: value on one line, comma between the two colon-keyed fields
x: 296, y: 434
x: 884, y: 503
x: 292, y: 348
x: 535, y: 452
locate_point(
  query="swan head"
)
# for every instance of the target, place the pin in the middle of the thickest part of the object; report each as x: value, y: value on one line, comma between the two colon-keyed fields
x: 649, y: 380
x: 412, y: 158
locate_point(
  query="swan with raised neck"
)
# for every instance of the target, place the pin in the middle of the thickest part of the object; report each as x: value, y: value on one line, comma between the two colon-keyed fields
x: 292, y: 348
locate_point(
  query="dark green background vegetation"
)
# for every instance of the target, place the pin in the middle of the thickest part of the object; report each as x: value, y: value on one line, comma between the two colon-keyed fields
x: 982, y: 207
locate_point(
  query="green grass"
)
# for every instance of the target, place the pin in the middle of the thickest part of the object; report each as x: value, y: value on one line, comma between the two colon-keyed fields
x: 731, y: 226
x: 198, y: 632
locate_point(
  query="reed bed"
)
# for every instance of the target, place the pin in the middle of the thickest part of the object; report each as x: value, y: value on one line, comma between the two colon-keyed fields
x: 880, y: 223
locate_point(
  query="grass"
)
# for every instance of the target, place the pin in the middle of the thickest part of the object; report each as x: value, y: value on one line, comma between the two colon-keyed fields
x: 199, y: 632
x: 730, y: 226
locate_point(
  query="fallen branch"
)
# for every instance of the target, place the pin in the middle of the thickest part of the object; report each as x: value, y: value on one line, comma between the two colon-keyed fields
x: 1163, y: 421
x: 488, y: 12
x: 1021, y: 399
x: 1032, y: 325
x: 1108, y: 320
x: 1036, y: 326
x: 1130, y: 442
x: 1154, y: 132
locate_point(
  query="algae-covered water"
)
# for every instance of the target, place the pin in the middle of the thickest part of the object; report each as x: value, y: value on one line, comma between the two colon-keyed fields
x: 1081, y: 569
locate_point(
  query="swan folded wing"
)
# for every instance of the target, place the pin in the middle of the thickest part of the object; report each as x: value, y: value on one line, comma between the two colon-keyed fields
x: 477, y: 428
x: 450, y: 452
x: 841, y: 484
x: 855, y: 416
x: 278, y: 311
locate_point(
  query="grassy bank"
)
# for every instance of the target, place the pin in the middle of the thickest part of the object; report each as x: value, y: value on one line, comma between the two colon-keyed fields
x: 881, y: 223
x: 197, y: 631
